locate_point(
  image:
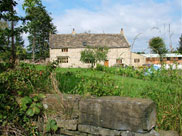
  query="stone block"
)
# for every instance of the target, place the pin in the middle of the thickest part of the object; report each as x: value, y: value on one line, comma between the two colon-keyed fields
x: 72, y: 133
x: 63, y: 106
x: 98, y: 130
x: 168, y: 133
x: 118, y: 113
x: 67, y: 124
x: 151, y: 133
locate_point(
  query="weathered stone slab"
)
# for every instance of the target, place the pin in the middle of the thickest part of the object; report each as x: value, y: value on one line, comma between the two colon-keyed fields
x: 72, y: 133
x: 118, y: 113
x: 168, y: 133
x: 67, y: 124
x: 98, y: 130
x: 108, y: 132
x: 151, y: 133
x: 64, y: 106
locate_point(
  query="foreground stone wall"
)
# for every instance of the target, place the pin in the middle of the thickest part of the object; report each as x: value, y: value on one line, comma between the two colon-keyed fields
x: 105, y: 116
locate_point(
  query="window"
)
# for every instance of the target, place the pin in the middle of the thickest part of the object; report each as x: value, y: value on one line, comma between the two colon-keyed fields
x: 179, y: 58
x: 88, y: 61
x: 65, y: 50
x: 118, y: 61
x: 148, y: 59
x: 168, y: 58
x: 136, y: 60
x: 84, y: 43
x: 63, y: 59
x: 153, y: 59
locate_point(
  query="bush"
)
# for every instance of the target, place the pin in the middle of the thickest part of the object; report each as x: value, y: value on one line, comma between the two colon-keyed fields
x: 19, y: 108
x: 100, y: 67
x: 3, y: 67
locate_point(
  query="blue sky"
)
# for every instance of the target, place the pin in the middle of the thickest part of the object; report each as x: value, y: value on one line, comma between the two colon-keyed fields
x: 148, y: 18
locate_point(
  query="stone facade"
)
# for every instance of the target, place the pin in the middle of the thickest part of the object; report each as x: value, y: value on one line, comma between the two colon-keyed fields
x: 74, y: 55
x: 137, y: 59
x: 69, y: 47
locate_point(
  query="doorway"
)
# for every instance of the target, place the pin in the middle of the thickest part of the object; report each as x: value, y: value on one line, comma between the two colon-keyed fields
x: 106, y: 63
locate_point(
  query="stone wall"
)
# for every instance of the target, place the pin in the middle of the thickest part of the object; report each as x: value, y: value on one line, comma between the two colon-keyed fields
x: 104, y: 116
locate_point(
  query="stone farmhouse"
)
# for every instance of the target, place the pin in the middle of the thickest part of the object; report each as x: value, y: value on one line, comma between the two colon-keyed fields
x: 67, y: 48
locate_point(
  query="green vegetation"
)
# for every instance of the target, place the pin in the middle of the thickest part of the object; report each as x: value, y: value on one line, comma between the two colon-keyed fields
x: 21, y: 92
x: 10, y: 35
x: 179, y: 49
x: 94, y: 55
x: 37, y: 23
x: 158, y: 46
x: 164, y: 87
x: 51, y: 126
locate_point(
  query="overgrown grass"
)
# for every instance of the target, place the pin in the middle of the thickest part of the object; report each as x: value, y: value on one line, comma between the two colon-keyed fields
x: 166, y: 91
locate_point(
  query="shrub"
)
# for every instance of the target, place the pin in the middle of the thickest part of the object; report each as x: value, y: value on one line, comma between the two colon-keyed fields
x: 99, y: 67
x: 19, y: 108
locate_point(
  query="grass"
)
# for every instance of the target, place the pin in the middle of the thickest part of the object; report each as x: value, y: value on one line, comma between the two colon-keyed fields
x: 165, y: 91
x: 70, y: 78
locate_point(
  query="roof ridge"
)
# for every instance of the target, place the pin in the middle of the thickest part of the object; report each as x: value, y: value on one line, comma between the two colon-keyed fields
x: 90, y: 34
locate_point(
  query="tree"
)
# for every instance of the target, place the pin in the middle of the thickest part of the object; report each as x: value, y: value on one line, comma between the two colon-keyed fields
x: 8, y: 13
x: 180, y: 45
x: 158, y: 46
x: 5, y: 48
x: 3, y: 35
x: 94, y: 55
x: 39, y: 27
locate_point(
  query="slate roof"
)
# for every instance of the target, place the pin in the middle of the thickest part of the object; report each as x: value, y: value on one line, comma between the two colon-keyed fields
x: 58, y: 41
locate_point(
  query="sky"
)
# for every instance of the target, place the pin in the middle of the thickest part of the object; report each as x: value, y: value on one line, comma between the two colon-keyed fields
x: 140, y: 19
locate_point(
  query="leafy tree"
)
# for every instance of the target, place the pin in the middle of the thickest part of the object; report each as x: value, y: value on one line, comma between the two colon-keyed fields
x: 158, y: 46
x: 39, y: 27
x: 94, y: 55
x: 180, y: 45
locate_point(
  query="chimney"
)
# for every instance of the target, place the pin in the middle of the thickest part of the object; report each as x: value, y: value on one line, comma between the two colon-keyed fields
x: 122, y: 32
x: 73, y: 32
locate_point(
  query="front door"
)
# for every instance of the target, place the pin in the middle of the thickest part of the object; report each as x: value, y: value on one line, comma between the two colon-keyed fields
x: 106, y: 63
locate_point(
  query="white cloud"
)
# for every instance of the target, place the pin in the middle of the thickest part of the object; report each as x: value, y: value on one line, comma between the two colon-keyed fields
x: 25, y: 37
x: 134, y: 18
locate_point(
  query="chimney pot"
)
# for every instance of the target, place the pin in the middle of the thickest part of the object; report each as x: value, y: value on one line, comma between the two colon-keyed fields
x: 73, y: 32
x: 122, y: 32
